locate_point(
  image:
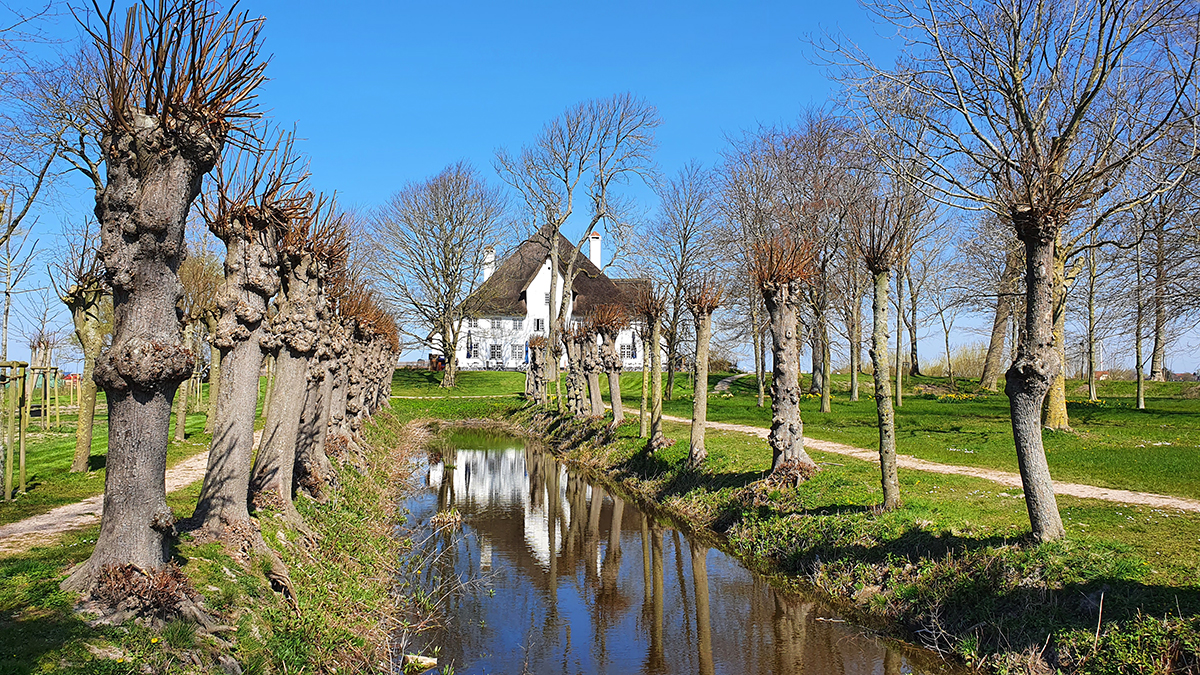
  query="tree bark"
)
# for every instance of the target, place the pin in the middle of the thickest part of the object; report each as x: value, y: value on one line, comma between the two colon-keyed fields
x: 656, y: 433
x: 612, y: 367
x: 899, y: 399
x: 1028, y: 379
x: 644, y: 420
x: 214, y: 375
x: 153, y: 177
x: 697, y: 453
x: 826, y: 372
x: 593, y: 366
x: 295, y: 328
x: 992, y: 365
x: 1158, y: 371
x: 1140, y: 319
x: 757, y: 339
x: 787, y: 428
x: 85, y: 315
x: 914, y: 366
x: 883, y: 397
x: 181, y: 397
x: 1056, y: 401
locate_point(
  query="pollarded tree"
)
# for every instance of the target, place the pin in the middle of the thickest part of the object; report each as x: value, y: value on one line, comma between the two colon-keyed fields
x: 178, y: 79
x: 780, y: 262
x: 429, y: 245
x: 703, y: 298
x: 1036, y: 112
x: 650, y: 306
x: 315, y: 244
x: 254, y: 201
x: 609, y: 320
x: 877, y: 232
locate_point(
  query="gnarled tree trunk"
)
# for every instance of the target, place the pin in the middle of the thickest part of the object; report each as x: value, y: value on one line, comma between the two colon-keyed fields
x: 1031, y: 374
x: 787, y: 428
x: 154, y: 174
x: 697, y: 452
x: 612, y: 368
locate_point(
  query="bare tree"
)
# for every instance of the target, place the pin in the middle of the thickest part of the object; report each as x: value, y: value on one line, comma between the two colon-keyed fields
x: 680, y: 246
x: 429, y: 246
x: 580, y: 155
x: 703, y: 298
x: 609, y: 321
x: 1037, y: 110
x: 178, y: 79
x: 78, y: 277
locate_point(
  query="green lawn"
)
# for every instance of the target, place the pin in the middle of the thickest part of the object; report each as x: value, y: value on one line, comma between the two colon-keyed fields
x: 1111, y: 445
x: 419, y: 382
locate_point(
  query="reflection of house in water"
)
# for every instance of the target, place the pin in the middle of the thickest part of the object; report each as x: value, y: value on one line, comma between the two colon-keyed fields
x: 581, y: 578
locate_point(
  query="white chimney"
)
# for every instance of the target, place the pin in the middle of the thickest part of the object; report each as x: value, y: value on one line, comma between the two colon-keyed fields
x: 594, y: 248
x: 489, y: 262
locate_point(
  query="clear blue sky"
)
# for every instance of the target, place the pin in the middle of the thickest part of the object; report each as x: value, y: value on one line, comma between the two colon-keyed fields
x: 386, y: 92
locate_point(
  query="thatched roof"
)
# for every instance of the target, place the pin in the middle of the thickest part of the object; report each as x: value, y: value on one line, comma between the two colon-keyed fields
x: 504, y: 293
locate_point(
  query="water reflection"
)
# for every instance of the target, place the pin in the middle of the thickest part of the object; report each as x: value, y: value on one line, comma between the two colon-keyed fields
x: 575, y: 580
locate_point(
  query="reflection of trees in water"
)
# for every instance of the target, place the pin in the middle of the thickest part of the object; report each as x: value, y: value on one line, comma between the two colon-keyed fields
x: 703, y: 619
x: 558, y: 528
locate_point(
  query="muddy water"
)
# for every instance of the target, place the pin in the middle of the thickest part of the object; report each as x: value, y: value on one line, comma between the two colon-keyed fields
x: 552, y: 574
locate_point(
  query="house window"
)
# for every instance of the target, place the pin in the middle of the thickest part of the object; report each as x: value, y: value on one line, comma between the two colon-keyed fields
x: 629, y: 351
x: 547, y: 299
x: 518, y: 324
x: 494, y: 352
x: 518, y: 350
x: 539, y: 325
x: 472, y: 323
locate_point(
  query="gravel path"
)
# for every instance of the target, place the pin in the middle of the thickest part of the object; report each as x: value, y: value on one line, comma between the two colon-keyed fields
x: 723, y: 385
x: 44, y: 529
x: 1002, y: 477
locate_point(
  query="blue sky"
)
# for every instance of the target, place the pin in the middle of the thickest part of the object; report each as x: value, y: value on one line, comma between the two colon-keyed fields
x: 386, y: 92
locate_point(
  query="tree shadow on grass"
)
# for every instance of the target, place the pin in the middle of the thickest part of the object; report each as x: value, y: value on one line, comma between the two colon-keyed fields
x: 35, y: 616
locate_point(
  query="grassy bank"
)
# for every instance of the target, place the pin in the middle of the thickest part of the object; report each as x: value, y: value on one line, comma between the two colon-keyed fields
x: 953, y: 570
x: 1112, y: 443
x: 344, y: 583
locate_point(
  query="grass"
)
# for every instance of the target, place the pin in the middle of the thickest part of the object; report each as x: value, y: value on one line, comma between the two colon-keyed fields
x: 1111, y: 445
x: 953, y: 569
x: 414, y: 382
x: 344, y: 583
x: 49, y: 454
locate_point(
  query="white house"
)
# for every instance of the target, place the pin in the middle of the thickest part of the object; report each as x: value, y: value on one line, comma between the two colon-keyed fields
x: 513, y: 304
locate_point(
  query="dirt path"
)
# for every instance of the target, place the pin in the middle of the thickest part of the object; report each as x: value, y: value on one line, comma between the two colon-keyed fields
x: 435, y: 398
x: 723, y: 385
x: 1002, y: 477
x: 45, y: 528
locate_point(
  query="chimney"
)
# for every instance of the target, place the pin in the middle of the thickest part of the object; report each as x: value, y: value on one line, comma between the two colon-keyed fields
x: 594, y: 248
x: 489, y: 262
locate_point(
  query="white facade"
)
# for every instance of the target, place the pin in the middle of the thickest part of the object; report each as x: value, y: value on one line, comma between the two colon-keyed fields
x: 502, y: 342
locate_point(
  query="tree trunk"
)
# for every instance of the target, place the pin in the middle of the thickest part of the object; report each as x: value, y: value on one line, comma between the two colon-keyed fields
x: 312, y: 471
x: 1056, y: 402
x: 1158, y: 371
x: 818, y: 370
x: 756, y: 334
x: 612, y: 367
x: 644, y: 419
x: 85, y: 314
x: 181, y: 397
x: 914, y: 365
x: 214, y: 376
x: 1028, y: 379
x: 855, y: 352
x: 1140, y: 319
x: 226, y: 483
x: 293, y: 326
x: 450, y: 351
x: 883, y: 397
x: 656, y: 433
x: 992, y: 364
x: 949, y: 359
x: 899, y: 339
x: 1091, y: 321
x: 787, y: 428
x: 142, y: 212
x: 698, y: 452
x: 826, y: 372
x: 593, y: 366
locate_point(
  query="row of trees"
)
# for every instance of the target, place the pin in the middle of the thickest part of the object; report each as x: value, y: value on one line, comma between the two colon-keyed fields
x: 1013, y: 161
x: 158, y: 112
